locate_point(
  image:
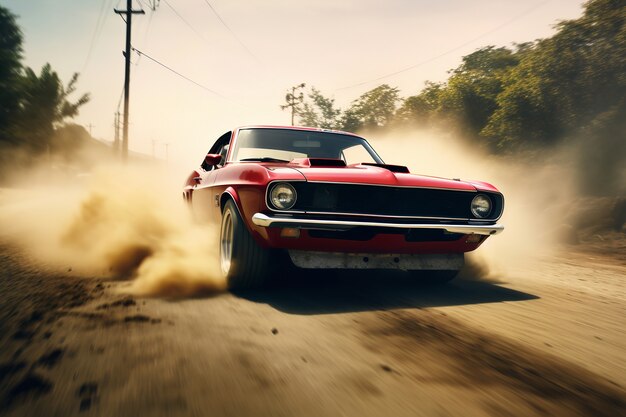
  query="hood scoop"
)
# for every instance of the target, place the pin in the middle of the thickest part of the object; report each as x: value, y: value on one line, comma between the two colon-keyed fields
x: 393, y: 168
x: 319, y: 162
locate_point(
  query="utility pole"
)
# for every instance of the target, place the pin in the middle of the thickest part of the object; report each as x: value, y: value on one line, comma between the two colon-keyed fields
x: 129, y: 12
x: 294, y: 101
x: 116, y: 125
x: 90, y: 126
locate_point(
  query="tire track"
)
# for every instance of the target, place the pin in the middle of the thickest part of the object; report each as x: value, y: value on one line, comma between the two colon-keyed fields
x: 434, y: 348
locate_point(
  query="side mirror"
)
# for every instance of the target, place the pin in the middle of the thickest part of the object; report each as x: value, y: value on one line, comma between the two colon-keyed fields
x: 212, y: 159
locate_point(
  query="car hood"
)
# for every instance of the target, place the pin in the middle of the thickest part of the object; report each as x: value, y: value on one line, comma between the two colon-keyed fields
x: 376, y: 175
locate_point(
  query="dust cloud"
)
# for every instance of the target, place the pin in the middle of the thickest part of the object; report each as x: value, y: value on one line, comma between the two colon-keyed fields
x: 130, y: 222
x: 125, y: 222
x: 537, y: 193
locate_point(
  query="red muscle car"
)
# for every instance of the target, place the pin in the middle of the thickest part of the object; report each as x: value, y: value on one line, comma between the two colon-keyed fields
x: 329, y: 201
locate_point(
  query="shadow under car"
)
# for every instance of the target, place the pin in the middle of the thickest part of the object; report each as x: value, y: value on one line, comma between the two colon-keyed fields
x: 330, y: 292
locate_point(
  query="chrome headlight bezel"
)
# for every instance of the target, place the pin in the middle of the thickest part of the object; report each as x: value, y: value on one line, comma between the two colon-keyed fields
x: 481, y: 206
x: 285, y: 189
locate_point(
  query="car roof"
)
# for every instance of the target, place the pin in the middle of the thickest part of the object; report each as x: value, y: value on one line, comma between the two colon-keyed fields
x: 301, y: 128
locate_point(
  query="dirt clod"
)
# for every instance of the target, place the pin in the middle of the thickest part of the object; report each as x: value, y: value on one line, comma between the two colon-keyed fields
x: 386, y: 368
x: 31, y: 384
x: 137, y: 318
x: 51, y: 358
x: 88, y: 394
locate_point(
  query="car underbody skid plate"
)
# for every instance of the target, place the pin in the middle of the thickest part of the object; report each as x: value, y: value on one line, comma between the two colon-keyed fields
x: 405, y: 262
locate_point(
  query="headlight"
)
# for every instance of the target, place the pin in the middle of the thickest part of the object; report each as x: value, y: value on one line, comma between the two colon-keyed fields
x: 283, y: 196
x: 481, y: 206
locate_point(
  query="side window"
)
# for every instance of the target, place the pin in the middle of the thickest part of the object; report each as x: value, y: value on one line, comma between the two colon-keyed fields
x: 224, y: 152
x: 219, y: 147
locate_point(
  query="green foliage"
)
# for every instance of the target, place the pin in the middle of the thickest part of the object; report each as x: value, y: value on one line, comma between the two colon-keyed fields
x: 10, y: 69
x: 31, y: 106
x: 471, y: 92
x: 374, y: 109
x: 320, y: 112
x: 537, y: 93
x: 44, y: 106
x: 469, y: 97
x: 564, y: 82
x: 488, y: 60
x: 420, y: 109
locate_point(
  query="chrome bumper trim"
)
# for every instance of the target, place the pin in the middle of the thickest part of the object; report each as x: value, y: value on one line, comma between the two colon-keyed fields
x: 264, y: 220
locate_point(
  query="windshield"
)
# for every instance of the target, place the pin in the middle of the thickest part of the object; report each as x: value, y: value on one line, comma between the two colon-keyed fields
x: 284, y: 145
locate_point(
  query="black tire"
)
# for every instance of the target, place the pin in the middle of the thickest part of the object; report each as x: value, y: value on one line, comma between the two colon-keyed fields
x: 434, y: 277
x: 243, y: 263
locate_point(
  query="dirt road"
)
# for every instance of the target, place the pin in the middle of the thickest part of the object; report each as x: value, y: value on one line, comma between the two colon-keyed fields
x: 547, y: 339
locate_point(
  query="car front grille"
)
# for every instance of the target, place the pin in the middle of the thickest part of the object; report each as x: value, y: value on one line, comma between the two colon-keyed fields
x: 376, y: 200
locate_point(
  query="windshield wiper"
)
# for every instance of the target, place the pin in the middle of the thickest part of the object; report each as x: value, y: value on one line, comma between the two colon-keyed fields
x: 264, y: 159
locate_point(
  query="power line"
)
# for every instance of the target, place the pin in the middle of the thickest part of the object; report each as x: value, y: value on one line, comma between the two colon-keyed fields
x: 184, y: 20
x: 145, y: 35
x: 229, y: 29
x: 140, y: 53
x: 152, y: 4
x: 97, y: 30
x: 419, y: 64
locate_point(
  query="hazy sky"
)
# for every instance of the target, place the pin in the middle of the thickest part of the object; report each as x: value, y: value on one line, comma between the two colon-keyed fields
x: 271, y: 45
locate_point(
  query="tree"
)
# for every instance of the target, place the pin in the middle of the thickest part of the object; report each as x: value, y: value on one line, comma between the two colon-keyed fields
x: 468, y: 98
x: 374, y: 109
x: 420, y: 109
x: 44, y: 105
x: 351, y: 121
x: 564, y: 82
x: 31, y: 106
x: 470, y: 95
x: 319, y: 112
x: 10, y: 70
x: 488, y: 59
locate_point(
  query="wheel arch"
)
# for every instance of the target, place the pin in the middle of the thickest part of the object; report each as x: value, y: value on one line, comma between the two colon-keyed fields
x: 230, y: 194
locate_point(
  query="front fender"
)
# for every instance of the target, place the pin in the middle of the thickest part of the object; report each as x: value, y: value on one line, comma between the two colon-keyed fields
x: 248, y: 202
x: 231, y: 193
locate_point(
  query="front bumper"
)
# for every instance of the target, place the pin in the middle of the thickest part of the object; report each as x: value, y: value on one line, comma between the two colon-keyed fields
x: 264, y: 220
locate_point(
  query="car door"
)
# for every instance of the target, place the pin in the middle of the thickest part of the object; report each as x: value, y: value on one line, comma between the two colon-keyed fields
x: 203, y: 202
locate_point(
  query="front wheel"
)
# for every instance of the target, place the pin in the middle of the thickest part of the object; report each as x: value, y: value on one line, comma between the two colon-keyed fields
x: 244, y: 264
